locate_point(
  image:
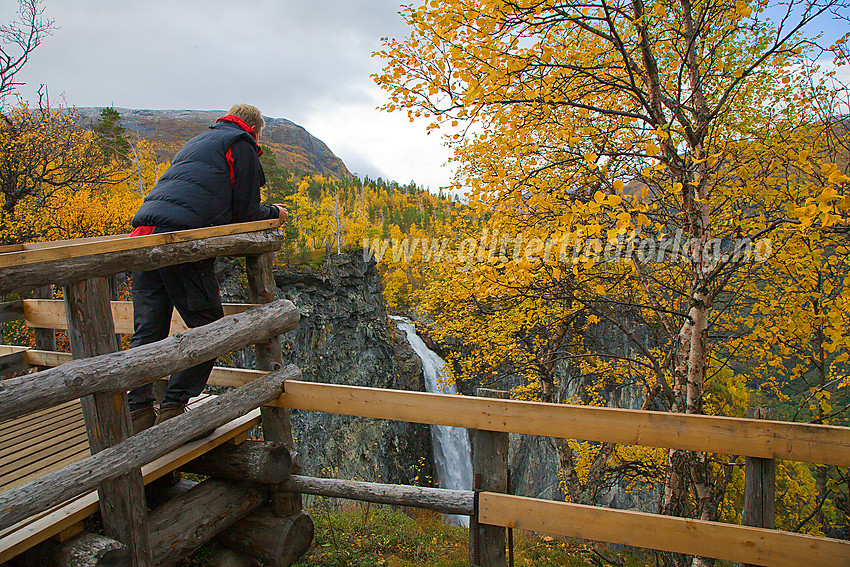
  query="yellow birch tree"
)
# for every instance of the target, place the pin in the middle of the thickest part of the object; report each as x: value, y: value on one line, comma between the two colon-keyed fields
x: 665, y: 131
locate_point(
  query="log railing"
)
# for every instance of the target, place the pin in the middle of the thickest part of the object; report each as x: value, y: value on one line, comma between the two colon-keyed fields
x: 130, y: 454
x: 127, y: 369
x: 279, y: 390
x: 768, y: 439
x: 37, y: 266
x: 822, y: 444
x: 100, y: 375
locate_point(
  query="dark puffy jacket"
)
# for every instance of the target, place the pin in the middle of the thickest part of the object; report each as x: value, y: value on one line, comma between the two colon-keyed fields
x: 202, y: 189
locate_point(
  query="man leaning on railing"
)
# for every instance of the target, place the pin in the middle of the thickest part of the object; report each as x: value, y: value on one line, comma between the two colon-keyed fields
x: 214, y: 179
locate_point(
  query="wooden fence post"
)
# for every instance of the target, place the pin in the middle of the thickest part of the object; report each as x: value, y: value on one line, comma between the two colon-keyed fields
x: 490, y: 474
x: 760, y: 483
x: 277, y: 426
x: 45, y: 339
x: 91, y: 332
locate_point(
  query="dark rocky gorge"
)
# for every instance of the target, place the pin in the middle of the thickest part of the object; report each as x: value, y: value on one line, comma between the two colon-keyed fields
x: 345, y: 338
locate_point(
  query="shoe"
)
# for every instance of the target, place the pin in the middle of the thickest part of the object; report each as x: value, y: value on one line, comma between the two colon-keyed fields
x: 167, y: 410
x: 143, y: 418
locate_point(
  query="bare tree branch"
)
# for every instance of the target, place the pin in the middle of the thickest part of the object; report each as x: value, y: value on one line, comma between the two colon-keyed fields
x: 18, y: 39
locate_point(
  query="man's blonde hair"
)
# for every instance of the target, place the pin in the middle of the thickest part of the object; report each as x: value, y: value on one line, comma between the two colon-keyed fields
x: 250, y: 114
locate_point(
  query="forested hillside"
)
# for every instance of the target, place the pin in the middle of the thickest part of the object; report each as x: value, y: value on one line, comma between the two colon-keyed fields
x: 330, y: 215
x: 67, y: 173
x: 60, y: 180
x: 167, y: 130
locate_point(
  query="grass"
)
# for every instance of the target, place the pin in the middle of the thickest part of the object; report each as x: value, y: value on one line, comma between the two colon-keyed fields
x: 364, y: 536
x: 361, y: 535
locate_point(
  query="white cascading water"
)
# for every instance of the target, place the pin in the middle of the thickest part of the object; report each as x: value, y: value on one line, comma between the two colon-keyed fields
x: 452, y: 454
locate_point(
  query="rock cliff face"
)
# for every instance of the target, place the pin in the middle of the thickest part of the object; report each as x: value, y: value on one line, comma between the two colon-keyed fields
x: 344, y: 338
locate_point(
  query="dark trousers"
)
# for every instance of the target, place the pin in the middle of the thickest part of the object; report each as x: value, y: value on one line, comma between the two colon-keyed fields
x: 193, y: 290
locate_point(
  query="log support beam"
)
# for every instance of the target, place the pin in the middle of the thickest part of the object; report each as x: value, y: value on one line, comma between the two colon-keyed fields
x: 240, y: 516
x: 84, y: 475
x: 84, y: 550
x: 254, y: 461
x: 277, y: 426
x: 121, y: 371
x: 490, y: 474
x: 122, y: 502
x: 437, y: 499
x: 182, y: 524
x: 276, y: 541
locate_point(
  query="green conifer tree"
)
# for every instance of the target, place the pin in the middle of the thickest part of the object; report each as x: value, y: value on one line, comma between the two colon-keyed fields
x: 111, y: 135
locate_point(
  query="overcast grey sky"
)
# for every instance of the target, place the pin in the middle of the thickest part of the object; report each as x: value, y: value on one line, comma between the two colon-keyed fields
x: 307, y: 61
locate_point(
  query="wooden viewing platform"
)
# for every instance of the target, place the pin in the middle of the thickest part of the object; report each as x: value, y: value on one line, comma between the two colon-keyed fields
x: 43, y: 437
x: 36, y: 444
x: 65, y: 520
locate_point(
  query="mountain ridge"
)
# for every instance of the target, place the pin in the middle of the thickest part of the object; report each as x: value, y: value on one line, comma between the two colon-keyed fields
x: 293, y: 146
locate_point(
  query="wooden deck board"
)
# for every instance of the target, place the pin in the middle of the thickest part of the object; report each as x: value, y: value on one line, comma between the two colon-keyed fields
x: 50, y: 314
x: 37, y: 419
x: 32, y: 430
x: 9, y: 427
x: 42, y: 526
x: 26, y: 430
x: 31, y: 441
x: 34, y: 444
x: 35, y: 469
x: 38, y: 452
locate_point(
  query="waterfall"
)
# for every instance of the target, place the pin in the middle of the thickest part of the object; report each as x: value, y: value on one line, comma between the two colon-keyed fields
x: 452, y: 454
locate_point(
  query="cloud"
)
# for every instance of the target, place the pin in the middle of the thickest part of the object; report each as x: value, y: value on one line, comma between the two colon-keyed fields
x: 357, y: 132
x: 309, y: 62
x: 153, y: 53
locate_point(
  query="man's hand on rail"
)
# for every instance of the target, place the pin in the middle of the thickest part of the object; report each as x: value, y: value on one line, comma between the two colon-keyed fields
x: 283, y: 214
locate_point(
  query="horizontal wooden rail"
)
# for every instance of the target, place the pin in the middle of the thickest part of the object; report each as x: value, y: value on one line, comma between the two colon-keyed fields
x: 50, y: 314
x: 220, y: 376
x: 5, y: 249
x: 38, y: 252
x: 11, y: 311
x: 812, y: 443
x: 437, y: 499
x: 136, y: 253
x: 84, y: 475
x: 822, y: 444
x: 33, y: 358
x: 264, y: 462
x: 129, y: 368
x: 744, y: 544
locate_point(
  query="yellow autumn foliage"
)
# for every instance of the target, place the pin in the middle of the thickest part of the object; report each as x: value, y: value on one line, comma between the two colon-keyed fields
x: 673, y: 197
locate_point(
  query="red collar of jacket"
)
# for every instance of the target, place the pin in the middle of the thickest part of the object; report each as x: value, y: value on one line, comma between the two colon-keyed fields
x: 244, y: 125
